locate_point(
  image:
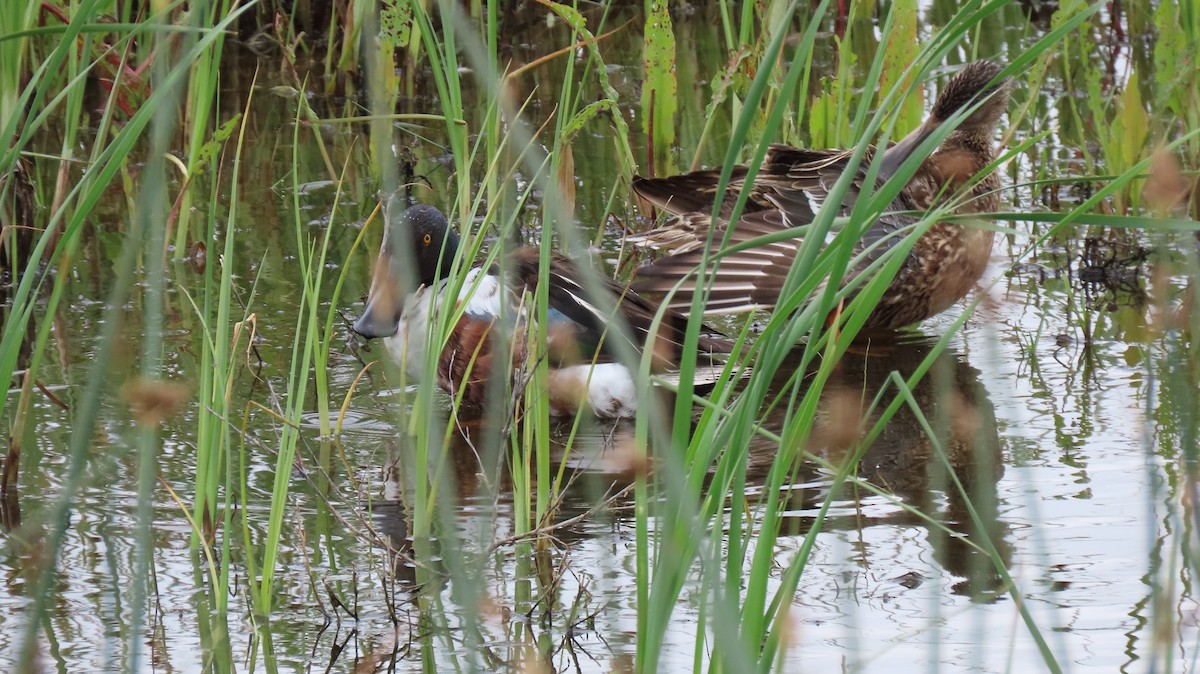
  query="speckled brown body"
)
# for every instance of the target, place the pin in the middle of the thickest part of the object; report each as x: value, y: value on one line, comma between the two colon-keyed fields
x: 948, y: 259
x: 792, y: 186
x: 943, y: 266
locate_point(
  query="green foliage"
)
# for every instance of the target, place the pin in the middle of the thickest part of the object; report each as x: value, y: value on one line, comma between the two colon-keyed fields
x: 899, y: 53
x: 503, y: 151
x: 1122, y: 127
x: 659, y: 88
x: 15, y: 18
x: 829, y: 117
x: 610, y: 102
x: 1177, y: 74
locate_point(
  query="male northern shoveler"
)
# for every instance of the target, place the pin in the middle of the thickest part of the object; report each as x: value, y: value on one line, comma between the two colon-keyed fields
x: 943, y: 264
x: 580, y: 337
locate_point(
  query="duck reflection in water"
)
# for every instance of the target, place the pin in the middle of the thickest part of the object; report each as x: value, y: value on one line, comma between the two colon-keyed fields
x: 474, y: 471
x: 942, y: 479
x: 900, y: 458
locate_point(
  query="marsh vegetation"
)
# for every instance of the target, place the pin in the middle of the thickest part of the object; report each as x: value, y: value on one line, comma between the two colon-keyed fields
x: 208, y: 471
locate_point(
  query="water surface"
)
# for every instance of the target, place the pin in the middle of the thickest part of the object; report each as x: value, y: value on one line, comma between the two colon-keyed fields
x: 1052, y: 394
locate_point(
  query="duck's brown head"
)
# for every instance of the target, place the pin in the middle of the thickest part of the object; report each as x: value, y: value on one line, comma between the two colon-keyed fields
x: 977, y: 83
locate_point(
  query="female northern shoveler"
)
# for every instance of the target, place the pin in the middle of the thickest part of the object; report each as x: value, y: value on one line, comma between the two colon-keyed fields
x: 791, y: 186
x: 579, y: 338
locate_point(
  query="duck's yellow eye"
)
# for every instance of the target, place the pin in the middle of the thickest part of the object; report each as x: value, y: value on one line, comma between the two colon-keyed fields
x: 428, y: 239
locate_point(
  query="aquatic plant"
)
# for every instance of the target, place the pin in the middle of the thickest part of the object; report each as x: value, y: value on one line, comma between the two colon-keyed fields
x: 230, y: 219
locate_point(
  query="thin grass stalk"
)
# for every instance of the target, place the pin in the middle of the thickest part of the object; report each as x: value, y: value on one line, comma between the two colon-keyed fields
x: 529, y: 460
x: 431, y: 447
x: 424, y: 413
x: 727, y: 27
x: 202, y: 91
x: 214, y: 367
x: 313, y: 273
x: 736, y: 466
x: 86, y: 414
x: 15, y: 19
x: 214, y: 464
x: 534, y: 404
x: 217, y: 367
x: 673, y: 562
x: 560, y: 197
x: 537, y: 414
x: 87, y: 408
x: 360, y: 14
x: 84, y: 195
x: 472, y: 240
x: 297, y: 387
x: 746, y: 24
x: 305, y: 346
x: 491, y: 122
x: 210, y: 623
x: 243, y: 490
x: 332, y: 315
x: 450, y: 87
x: 150, y: 211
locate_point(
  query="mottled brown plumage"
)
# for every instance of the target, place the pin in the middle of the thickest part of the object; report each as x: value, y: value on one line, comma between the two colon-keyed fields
x: 792, y: 185
x: 588, y: 329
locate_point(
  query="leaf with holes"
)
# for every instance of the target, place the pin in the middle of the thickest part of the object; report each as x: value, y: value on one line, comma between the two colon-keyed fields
x: 660, y: 89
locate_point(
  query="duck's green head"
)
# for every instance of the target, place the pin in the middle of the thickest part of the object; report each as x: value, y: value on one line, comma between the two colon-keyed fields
x: 418, y: 248
x: 434, y: 243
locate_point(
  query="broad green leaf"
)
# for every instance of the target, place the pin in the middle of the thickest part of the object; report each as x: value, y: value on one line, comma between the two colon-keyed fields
x: 395, y: 24
x: 901, y: 51
x: 1132, y: 122
x: 660, y: 89
x: 1168, y: 57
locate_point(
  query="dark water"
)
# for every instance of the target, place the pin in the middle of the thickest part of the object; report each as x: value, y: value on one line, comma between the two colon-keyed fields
x: 1049, y: 393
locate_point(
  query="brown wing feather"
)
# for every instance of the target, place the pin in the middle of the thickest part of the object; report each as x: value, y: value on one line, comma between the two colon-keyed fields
x: 586, y: 332
x: 793, y: 184
x: 694, y: 192
x: 741, y: 281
